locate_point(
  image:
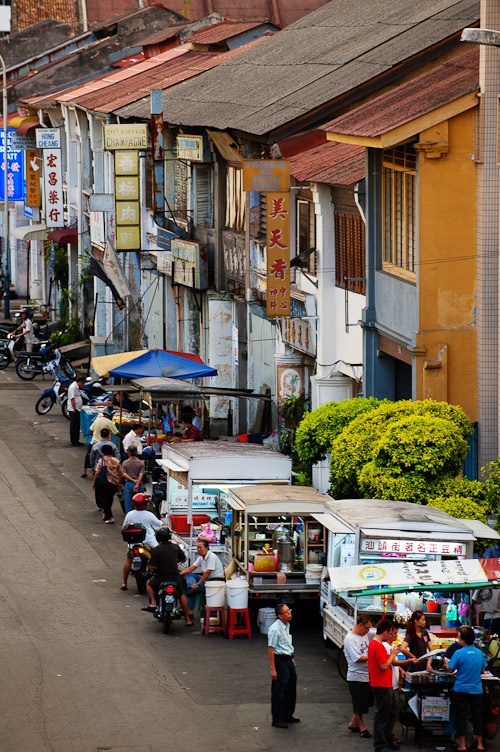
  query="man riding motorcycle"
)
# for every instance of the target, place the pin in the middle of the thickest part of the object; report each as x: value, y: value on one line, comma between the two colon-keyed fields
x: 140, y: 516
x: 164, y: 565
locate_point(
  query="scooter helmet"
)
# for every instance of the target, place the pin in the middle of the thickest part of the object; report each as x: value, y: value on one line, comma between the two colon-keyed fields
x: 141, y: 500
x: 27, y: 311
x: 163, y: 535
x: 108, y: 412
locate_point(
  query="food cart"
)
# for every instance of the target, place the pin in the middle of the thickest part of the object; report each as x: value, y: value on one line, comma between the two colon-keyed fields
x: 276, y: 539
x: 427, y: 693
x: 372, y: 533
x: 200, y: 476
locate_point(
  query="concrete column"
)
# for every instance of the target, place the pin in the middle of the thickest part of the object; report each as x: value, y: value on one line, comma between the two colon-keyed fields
x: 488, y: 240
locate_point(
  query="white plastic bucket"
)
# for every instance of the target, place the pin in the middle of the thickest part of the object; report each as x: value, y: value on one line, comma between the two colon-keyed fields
x: 237, y: 593
x: 215, y: 593
x: 313, y: 573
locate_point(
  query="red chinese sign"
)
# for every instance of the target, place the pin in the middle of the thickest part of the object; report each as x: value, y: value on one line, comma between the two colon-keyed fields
x: 33, y: 163
x: 278, y: 253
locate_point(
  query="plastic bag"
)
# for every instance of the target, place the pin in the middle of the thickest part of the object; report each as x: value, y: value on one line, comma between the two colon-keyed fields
x: 207, y: 534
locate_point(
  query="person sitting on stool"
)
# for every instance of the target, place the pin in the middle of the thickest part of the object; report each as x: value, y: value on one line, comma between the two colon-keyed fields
x: 210, y: 568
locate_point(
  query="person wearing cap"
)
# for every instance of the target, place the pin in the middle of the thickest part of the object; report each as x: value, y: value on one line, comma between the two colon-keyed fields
x: 133, y: 473
x: 25, y: 330
x: 101, y: 422
x: 140, y: 515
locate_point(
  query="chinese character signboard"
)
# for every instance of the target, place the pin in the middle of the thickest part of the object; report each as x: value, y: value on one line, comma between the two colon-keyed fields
x: 266, y: 175
x: 386, y: 546
x: 33, y: 162
x: 53, y: 187
x: 278, y: 254
x: 15, y: 162
x: 127, y: 204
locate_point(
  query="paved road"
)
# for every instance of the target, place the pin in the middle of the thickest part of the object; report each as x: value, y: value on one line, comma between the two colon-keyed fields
x: 83, y: 669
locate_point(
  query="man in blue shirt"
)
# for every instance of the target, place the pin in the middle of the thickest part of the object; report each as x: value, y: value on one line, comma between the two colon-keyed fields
x: 283, y: 674
x: 469, y: 663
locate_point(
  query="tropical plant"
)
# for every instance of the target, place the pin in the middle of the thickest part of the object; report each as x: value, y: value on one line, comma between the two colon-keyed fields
x: 318, y: 429
x: 369, y: 439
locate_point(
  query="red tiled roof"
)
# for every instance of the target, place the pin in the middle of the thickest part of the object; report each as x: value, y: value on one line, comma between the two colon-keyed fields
x: 331, y: 163
x: 219, y: 32
x: 411, y: 100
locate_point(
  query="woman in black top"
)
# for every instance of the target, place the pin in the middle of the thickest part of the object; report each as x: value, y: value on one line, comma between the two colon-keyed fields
x: 417, y: 641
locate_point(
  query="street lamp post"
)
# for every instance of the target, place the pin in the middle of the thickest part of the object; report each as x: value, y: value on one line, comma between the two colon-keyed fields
x: 6, y: 283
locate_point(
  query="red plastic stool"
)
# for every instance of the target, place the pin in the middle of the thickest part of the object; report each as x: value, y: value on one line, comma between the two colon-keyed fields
x: 221, y: 622
x: 236, y: 627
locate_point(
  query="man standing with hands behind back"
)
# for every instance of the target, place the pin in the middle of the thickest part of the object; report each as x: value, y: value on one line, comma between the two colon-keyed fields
x: 75, y: 404
x: 282, y: 663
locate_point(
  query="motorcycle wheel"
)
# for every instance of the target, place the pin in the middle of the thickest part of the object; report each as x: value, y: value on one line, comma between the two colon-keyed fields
x: 25, y: 371
x: 166, y: 622
x: 140, y: 581
x: 44, y: 405
x: 64, y: 409
x: 5, y: 359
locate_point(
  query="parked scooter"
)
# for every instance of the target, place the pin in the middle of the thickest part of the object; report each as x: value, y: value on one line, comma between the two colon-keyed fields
x: 48, y: 360
x: 11, y: 349
x: 58, y: 392
x: 169, y: 607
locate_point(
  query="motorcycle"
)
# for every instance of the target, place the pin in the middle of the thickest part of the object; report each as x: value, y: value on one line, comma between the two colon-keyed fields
x: 58, y: 392
x: 11, y: 349
x: 169, y: 607
x: 134, y: 535
x: 48, y: 360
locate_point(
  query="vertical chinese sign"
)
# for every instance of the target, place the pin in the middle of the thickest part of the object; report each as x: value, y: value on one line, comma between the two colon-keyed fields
x: 32, y: 177
x: 126, y: 141
x: 278, y: 254
x: 272, y: 177
x: 15, y: 177
x: 49, y: 140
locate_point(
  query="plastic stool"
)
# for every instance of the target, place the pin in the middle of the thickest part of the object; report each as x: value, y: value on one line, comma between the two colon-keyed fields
x: 243, y: 628
x: 220, y: 626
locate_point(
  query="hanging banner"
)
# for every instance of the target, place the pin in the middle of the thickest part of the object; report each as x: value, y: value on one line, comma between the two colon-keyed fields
x: 53, y: 187
x: 33, y: 162
x: 278, y: 254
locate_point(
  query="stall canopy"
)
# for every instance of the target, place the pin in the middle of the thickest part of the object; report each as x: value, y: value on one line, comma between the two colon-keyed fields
x: 400, y: 577
x: 149, y: 363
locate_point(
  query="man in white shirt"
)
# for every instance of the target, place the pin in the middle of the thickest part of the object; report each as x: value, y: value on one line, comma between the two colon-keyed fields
x: 489, y: 599
x: 133, y: 438
x: 210, y: 568
x: 26, y: 330
x: 75, y: 404
x: 356, y: 653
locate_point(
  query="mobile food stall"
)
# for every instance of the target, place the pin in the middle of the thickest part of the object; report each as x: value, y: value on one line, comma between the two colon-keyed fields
x: 276, y: 540
x: 367, y: 534
x: 200, y: 476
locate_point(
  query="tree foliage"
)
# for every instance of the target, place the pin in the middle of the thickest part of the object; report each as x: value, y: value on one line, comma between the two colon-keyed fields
x: 423, y: 441
x: 318, y: 429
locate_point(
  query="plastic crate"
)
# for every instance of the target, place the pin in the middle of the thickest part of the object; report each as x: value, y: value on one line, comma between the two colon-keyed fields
x: 179, y: 522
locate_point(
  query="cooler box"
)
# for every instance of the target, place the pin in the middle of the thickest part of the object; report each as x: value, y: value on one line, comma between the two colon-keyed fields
x: 179, y: 522
x: 265, y: 618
